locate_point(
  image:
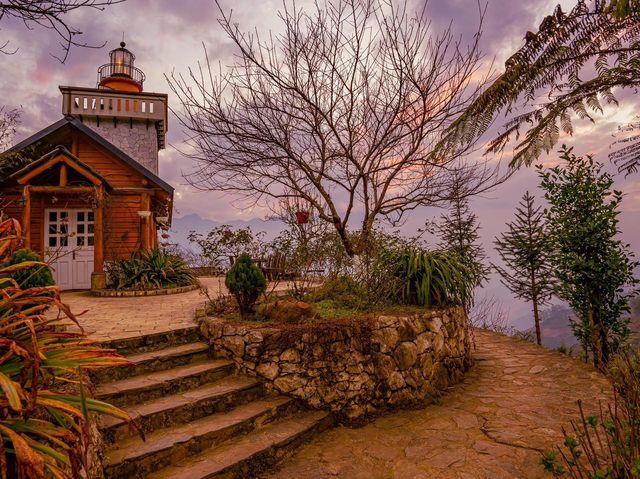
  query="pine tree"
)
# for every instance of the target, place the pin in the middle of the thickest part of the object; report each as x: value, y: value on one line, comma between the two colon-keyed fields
x: 594, y: 268
x: 458, y: 232
x: 527, y: 249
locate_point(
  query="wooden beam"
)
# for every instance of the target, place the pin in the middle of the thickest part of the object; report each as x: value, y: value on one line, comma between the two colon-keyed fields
x: 54, y: 161
x: 98, y: 232
x: 38, y: 170
x: 63, y: 175
x: 83, y: 171
x: 145, y: 204
x: 62, y: 189
x: 26, y: 217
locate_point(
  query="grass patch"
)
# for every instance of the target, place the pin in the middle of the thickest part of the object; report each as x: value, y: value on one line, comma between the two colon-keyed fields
x: 329, y: 309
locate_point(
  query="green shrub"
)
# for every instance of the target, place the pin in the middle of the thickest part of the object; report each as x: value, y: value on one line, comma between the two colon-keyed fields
x: 152, y: 269
x: 427, y: 278
x: 34, y: 277
x: 342, y: 290
x: 246, y: 283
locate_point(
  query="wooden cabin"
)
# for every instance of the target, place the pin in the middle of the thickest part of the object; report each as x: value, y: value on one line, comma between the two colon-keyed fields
x: 86, y: 188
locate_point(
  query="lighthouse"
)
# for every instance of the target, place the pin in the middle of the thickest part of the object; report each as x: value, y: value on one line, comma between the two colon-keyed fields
x: 90, y: 192
x: 120, y: 110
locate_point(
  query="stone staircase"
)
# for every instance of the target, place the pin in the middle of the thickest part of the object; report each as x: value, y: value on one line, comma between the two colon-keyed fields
x: 200, y: 419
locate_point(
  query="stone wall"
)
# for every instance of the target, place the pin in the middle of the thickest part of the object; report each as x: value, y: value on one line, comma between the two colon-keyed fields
x: 352, y: 368
x: 139, y: 140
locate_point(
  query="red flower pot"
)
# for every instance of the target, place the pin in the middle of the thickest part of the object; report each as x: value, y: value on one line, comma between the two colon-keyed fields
x: 302, y: 217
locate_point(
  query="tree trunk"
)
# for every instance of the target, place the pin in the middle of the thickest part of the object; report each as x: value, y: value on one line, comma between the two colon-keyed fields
x: 534, y: 296
x: 604, y: 345
x: 596, y: 346
x: 536, y: 319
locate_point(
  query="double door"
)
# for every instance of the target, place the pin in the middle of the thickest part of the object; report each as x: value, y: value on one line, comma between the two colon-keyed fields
x: 68, y: 242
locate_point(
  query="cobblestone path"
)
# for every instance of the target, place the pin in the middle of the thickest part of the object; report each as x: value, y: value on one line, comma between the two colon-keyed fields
x: 108, y: 319
x: 510, y: 407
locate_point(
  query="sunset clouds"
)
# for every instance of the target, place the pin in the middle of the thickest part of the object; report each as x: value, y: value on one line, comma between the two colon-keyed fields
x: 169, y: 35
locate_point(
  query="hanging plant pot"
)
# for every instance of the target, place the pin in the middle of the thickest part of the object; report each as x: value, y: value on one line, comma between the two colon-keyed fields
x: 302, y: 217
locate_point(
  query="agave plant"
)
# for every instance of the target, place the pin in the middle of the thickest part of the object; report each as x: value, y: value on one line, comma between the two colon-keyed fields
x: 44, y: 408
x: 430, y: 278
x: 152, y: 269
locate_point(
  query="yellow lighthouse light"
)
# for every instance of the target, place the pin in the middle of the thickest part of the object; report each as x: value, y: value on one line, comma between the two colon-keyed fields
x: 120, y: 73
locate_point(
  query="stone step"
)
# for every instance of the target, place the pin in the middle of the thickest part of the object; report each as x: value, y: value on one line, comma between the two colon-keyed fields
x: 153, y: 361
x: 155, y: 341
x: 177, y: 409
x: 134, y: 457
x: 245, y: 456
x: 137, y: 389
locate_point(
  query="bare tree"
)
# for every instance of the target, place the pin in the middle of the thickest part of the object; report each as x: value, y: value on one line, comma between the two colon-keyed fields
x: 340, y: 110
x: 9, y: 121
x: 50, y: 15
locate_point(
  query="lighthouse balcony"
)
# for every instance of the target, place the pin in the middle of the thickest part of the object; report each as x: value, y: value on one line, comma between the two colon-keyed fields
x: 104, y: 105
x: 120, y: 70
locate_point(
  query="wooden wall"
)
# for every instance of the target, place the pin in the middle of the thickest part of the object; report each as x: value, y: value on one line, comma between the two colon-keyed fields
x: 122, y: 232
x: 118, y: 174
x: 122, y: 224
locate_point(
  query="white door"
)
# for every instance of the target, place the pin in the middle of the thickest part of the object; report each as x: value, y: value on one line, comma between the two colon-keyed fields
x: 69, y: 246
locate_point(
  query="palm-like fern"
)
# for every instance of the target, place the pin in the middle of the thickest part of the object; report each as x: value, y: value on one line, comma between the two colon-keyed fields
x: 601, y: 38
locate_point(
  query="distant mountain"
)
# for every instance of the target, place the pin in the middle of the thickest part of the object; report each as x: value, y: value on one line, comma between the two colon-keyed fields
x: 556, y: 327
x: 181, y: 227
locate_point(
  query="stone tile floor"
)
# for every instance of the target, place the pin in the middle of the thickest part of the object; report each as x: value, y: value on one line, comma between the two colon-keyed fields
x: 493, y: 425
x: 107, y: 319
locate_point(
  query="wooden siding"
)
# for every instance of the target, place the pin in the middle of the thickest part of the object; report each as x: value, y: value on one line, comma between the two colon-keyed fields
x: 122, y: 224
x: 118, y: 174
x: 122, y: 231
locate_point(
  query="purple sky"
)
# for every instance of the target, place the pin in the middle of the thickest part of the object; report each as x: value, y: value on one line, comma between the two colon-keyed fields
x: 169, y: 34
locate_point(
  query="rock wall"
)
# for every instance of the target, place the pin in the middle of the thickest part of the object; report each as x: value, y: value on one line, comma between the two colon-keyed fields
x: 353, y: 368
x: 139, y: 140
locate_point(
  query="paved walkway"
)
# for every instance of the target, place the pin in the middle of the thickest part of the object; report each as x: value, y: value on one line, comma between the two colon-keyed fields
x: 510, y: 407
x: 116, y: 318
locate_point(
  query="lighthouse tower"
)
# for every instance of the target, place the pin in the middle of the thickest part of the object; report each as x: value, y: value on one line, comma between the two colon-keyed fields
x: 120, y: 110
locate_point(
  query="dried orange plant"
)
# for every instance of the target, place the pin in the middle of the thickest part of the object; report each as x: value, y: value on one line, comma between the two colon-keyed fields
x: 44, y: 408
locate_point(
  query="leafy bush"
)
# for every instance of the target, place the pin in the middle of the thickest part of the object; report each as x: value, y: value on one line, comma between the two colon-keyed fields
x: 246, y: 283
x: 343, y: 290
x: 44, y: 418
x: 33, y: 277
x: 225, y: 243
x: 427, y: 278
x: 152, y: 269
x: 606, y: 446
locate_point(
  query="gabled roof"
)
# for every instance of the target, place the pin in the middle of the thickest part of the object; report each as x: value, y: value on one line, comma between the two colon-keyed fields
x: 117, y: 152
x: 58, y: 155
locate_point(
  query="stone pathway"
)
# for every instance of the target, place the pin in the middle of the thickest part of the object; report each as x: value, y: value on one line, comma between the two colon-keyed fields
x: 108, y: 319
x: 510, y: 407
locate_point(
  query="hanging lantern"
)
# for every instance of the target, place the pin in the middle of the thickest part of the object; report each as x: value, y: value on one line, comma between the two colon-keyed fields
x: 302, y: 217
